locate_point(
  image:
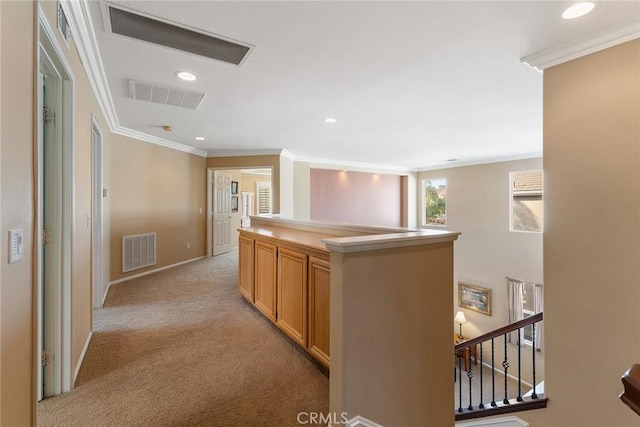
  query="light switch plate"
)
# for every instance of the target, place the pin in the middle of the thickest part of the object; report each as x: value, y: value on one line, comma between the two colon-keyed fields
x: 16, y: 245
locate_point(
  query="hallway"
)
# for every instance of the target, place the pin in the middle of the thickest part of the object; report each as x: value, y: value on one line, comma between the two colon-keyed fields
x: 181, y: 348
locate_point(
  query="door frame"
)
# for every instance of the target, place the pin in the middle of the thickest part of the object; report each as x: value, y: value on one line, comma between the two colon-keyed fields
x: 221, y: 186
x: 51, y: 58
x: 210, y: 184
x: 97, y: 224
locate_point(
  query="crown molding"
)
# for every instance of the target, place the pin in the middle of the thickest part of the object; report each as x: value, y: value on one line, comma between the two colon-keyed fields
x: 159, y: 141
x: 85, y: 40
x: 288, y: 154
x: 213, y: 153
x: 525, y: 156
x: 567, y: 52
x: 354, y: 166
x: 86, y: 43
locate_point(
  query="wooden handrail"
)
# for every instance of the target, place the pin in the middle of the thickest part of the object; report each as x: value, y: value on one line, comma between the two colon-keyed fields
x: 631, y: 394
x: 506, y: 403
x: 500, y: 331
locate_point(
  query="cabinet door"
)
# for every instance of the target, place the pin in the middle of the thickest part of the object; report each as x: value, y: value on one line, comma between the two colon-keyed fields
x: 319, y: 307
x: 245, y: 267
x: 292, y: 295
x: 265, y: 279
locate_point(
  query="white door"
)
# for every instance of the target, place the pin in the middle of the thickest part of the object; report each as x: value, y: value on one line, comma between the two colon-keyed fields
x: 54, y: 213
x: 221, y: 237
x: 97, y: 270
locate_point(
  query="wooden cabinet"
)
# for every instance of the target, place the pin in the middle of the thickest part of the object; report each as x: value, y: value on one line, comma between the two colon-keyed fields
x: 292, y: 295
x: 289, y: 283
x: 265, y: 278
x: 245, y: 267
x: 319, y: 306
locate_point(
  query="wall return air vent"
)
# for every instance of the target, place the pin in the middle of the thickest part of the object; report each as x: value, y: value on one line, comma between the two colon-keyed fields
x: 140, y: 27
x: 138, y: 251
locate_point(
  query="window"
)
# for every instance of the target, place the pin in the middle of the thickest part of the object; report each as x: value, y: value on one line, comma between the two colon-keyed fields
x: 528, y: 310
x: 526, y: 201
x: 263, y: 189
x: 525, y: 299
x: 435, y: 201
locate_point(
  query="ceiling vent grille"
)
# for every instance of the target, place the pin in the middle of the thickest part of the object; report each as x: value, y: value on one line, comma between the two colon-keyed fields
x: 164, y: 34
x: 163, y: 95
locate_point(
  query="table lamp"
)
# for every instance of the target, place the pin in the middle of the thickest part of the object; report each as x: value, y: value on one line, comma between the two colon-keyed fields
x: 460, y: 319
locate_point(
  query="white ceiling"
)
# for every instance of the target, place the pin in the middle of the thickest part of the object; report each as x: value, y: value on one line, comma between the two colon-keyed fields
x: 411, y: 84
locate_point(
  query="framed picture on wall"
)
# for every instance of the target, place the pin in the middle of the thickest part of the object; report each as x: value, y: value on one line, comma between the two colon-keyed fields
x: 234, y: 187
x: 474, y: 298
x: 234, y: 203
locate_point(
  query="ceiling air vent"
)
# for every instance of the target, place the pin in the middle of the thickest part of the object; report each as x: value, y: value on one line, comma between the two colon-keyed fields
x: 164, y: 95
x: 164, y: 34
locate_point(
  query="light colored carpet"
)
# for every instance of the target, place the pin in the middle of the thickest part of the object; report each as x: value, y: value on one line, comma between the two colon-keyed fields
x: 181, y: 348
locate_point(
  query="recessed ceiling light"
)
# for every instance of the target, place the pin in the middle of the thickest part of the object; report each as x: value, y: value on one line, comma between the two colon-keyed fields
x: 199, y: 138
x: 330, y: 120
x: 184, y: 75
x: 577, y: 10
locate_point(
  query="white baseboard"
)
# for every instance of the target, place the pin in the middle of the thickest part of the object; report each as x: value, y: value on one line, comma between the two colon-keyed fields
x: 104, y: 297
x: 155, y: 270
x: 81, y: 359
x: 495, y: 422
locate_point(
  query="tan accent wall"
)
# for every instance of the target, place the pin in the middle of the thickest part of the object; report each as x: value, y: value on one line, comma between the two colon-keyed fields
x: 17, y: 59
x: 240, y: 162
x: 157, y: 189
x: 391, y: 354
x: 592, y: 237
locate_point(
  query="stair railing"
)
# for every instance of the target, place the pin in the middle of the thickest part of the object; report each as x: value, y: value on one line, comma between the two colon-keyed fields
x: 631, y: 394
x: 502, y: 401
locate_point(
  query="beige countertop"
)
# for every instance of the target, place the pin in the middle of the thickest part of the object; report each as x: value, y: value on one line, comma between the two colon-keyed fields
x: 303, y: 234
x: 298, y: 237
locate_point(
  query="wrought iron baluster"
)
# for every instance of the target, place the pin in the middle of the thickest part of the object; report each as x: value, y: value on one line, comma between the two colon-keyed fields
x: 534, y: 395
x: 493, y: 373
x: 470, y: 377
x: 459, y: 356
x: 481, y: 406
x: 505, y: 365
x: 519, y: 398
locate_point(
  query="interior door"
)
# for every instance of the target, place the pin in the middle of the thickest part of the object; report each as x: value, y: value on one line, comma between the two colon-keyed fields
x: 51, y: 235
x: 221, y: 229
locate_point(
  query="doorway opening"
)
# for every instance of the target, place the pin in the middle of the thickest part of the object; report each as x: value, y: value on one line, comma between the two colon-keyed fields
x: 54, y: 201
x: 228, y: 190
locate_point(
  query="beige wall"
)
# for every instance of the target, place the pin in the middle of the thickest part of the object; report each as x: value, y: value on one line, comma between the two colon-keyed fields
x: 157, y: 189
x: 390, y: 339
x: 301, y: 191
x: 268, y: 161
x: 478, y: 206
x: 286, y: 190
x: 17, y: 29
x: 592, y: 237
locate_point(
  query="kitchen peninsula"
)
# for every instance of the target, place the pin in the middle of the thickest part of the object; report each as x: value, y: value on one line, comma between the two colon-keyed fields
x: 374, y: 302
